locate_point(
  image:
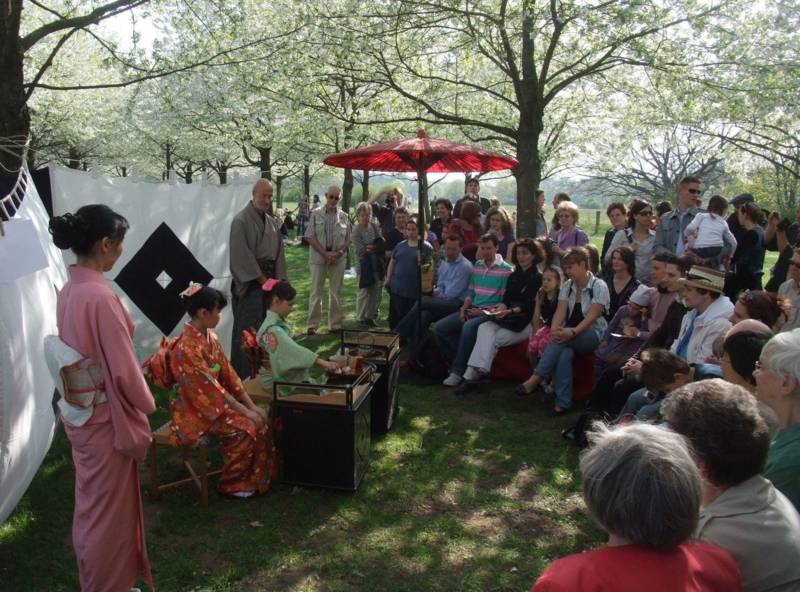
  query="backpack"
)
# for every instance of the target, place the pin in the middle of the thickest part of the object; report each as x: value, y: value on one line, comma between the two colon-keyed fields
x: 427, y: 359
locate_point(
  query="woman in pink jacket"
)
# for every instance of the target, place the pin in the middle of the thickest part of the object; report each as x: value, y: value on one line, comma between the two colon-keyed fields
x: 113, y: 434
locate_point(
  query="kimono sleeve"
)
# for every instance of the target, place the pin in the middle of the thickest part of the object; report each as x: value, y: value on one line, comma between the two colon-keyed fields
x: 284, y: 354
x: 116, y: 344
x: 244, y: 266
x: 195, y: 382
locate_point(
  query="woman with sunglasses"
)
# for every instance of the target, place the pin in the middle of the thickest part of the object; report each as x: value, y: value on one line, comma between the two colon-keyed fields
x: 748, y: 261
x: 761, y: 306
x: 639, y: 237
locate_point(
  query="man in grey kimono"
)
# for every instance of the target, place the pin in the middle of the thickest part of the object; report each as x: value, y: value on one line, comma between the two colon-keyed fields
x: 256, y: 254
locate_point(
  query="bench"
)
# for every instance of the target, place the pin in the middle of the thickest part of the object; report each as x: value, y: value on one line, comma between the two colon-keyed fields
x: 511, y: 363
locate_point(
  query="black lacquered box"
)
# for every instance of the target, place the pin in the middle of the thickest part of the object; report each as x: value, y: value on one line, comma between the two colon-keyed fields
x: 383, y: 350
x: 324, y: 431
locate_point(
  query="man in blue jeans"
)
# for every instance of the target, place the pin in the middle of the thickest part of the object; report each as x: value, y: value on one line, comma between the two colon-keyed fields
x: 452, y: 286
x: 487, y: 286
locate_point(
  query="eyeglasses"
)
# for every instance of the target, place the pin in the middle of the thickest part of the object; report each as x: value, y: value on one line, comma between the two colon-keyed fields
x: 695, y: 191
x: 647, y: 213
x: 794, y: 264
x: 565, y: 216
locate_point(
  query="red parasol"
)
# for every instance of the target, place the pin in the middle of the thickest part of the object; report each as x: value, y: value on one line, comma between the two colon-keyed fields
x: 422, y: 155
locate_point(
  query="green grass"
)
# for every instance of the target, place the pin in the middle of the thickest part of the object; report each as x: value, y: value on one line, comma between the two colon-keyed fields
x: 466, y: 494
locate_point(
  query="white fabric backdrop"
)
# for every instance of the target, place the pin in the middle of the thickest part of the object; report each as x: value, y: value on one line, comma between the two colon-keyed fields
x: 200, y: 215
x: 27, y: 314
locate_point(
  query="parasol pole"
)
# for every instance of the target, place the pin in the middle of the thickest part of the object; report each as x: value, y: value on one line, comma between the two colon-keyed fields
x: 420, y: 242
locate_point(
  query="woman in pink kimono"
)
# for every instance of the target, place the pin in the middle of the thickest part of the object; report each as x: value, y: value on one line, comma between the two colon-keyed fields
x: 108, y: 442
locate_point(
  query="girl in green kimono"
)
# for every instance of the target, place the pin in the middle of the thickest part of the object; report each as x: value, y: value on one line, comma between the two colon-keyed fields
x: 287, y: 361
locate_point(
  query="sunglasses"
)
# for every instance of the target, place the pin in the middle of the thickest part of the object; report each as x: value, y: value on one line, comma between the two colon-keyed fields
x: 336, y: 197
x: 695, y: 191
x: 747, y: 296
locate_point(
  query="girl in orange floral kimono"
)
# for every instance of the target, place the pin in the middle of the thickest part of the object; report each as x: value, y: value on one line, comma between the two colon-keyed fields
x: 212, y: 400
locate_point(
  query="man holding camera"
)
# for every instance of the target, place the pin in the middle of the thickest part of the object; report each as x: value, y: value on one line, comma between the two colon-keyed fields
x: 384, y: 212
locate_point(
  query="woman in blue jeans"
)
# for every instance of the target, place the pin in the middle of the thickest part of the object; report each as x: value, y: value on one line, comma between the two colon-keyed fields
x: 577, y: 327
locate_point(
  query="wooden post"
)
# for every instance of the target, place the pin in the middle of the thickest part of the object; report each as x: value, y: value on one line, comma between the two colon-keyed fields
x: 597, y: 221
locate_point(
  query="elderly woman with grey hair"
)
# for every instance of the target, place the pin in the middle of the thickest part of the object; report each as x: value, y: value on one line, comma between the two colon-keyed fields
x: 742, y: 511
x: 778, y: 386
x: 642, y: 486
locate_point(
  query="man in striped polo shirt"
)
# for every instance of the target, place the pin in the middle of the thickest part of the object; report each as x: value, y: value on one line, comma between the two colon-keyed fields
x: 487, y: 286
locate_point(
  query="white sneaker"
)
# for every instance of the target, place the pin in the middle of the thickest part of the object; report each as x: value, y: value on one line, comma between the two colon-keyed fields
x: 452, y: 380
x: 471, y: 374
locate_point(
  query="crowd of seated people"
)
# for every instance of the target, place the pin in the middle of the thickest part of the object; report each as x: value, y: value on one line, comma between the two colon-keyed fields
x: 696, y: 371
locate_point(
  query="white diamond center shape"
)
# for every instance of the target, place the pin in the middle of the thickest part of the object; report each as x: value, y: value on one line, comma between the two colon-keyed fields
x: 164, y: 279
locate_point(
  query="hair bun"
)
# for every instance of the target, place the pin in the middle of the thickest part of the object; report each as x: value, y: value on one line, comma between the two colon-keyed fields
x: 67, y: 230
x: 62, y: 229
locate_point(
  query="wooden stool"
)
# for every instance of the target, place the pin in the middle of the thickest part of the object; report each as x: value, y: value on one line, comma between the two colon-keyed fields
x: 199, y: 476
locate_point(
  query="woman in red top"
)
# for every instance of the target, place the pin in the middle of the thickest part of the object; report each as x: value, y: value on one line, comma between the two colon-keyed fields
x: 468, y: 227
x: 642, y: 486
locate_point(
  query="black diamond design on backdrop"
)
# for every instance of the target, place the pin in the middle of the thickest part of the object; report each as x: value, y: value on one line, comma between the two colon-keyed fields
x: 161, y: 252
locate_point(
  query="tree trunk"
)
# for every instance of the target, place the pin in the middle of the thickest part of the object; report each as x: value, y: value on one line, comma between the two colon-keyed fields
x: 167, y: 160
x: 279, y: 189
x: 422, y: 204
x: 347, y: 189
x: 265, y: 162
x: 15, y: 119
x: 222, y: 172
x: 306, y: 180
x: 74, y: 158
x: 531, y: 122
x: 528, y: 174
x: 365, y: 186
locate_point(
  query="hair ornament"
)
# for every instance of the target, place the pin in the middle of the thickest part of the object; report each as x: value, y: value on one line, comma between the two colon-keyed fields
x: 269, y: 284
x: 193, y: 289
